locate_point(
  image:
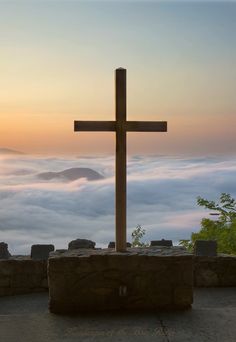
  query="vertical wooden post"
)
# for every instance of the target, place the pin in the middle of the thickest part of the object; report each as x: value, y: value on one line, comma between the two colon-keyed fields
x: 120, y: 80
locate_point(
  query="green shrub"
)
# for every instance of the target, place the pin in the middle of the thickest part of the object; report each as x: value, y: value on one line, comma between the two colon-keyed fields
x: 223, y: 230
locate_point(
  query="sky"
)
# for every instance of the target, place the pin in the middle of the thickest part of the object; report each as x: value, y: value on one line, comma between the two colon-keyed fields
x: 57, y: 62
x: 161, y: 197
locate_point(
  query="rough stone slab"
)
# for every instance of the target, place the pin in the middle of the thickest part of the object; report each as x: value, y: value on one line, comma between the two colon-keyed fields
x: 4, y: 253
x: 41, y: 252
x: 163, y: 242
x: 112, y: 244
x: 81, y: 243
x: 141, y: 278
x: 205, y: 248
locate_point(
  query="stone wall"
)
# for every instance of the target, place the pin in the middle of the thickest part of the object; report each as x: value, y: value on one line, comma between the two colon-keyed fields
x: 22, y: 275
x: 217, y: 271
x: 105, y: 280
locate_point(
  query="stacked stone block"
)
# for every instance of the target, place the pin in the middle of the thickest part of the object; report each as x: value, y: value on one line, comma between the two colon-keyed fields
x: 219, y: 271
x: 22, y: 276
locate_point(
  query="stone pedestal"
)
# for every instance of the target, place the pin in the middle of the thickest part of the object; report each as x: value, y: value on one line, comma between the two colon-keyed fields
x: 141, y: 278
x: 41, y: 252
x: 163, y: 242
x: 205, y: 248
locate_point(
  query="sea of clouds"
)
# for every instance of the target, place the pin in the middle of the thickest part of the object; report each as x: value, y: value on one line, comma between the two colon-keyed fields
x: 162, y: 195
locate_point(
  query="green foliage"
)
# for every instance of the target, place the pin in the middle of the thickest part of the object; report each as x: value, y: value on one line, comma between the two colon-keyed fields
x: 223, y: 233
x: 137, y: 234
x: 222, y: 230
x: 188, y: 244
x: 226, y: 207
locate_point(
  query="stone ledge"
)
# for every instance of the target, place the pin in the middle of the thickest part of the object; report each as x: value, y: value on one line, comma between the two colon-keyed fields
x: 21, y: 274
x: 150, y: 251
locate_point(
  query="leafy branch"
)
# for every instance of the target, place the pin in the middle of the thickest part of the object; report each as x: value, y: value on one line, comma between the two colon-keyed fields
x: 137, y: 234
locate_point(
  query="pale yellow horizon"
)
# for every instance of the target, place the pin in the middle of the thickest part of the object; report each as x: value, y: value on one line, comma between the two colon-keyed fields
x: 58, y: 61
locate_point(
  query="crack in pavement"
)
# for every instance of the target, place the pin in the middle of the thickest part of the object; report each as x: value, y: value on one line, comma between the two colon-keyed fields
x: 164, y: 330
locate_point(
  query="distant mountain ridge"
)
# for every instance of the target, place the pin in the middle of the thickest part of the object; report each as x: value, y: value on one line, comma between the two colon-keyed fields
x: 71, y: 174
x: 9, y: 151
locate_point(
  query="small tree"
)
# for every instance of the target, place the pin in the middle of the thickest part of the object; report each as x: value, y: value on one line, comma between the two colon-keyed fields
x: 188, y: 244
x: 223, y: 230
x: 137, y: 234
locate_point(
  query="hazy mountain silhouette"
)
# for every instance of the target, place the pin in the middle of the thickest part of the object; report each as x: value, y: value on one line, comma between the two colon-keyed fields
x: 72, y: 174
x: 8, y: 151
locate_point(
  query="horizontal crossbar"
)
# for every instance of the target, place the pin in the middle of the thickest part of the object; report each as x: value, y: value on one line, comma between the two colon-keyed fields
x: 130, y: 126
x: 146, y: 126
x: 101, y: 126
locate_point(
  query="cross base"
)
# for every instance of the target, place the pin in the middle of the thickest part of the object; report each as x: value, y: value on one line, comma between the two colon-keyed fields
x: 100, y: 280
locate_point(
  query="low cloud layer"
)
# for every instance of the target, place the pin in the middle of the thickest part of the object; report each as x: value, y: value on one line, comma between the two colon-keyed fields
x: 162, y: 195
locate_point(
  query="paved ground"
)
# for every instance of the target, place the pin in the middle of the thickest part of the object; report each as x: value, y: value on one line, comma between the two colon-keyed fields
x: 212, y: 318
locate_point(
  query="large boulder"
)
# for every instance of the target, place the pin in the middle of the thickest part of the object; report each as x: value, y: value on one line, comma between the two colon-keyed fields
x: 4, y: 253
x: 81, y: 243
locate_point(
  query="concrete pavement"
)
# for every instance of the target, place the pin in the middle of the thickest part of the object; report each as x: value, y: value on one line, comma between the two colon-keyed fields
x: 25, y: 318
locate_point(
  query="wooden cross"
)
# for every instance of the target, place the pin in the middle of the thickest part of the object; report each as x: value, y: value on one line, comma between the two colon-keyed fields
x: 121, y: 126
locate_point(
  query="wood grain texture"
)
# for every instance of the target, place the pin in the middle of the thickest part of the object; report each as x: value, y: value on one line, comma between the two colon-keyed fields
x: 94, y: 126
x: 146, y: 126
x: 120, y: 80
